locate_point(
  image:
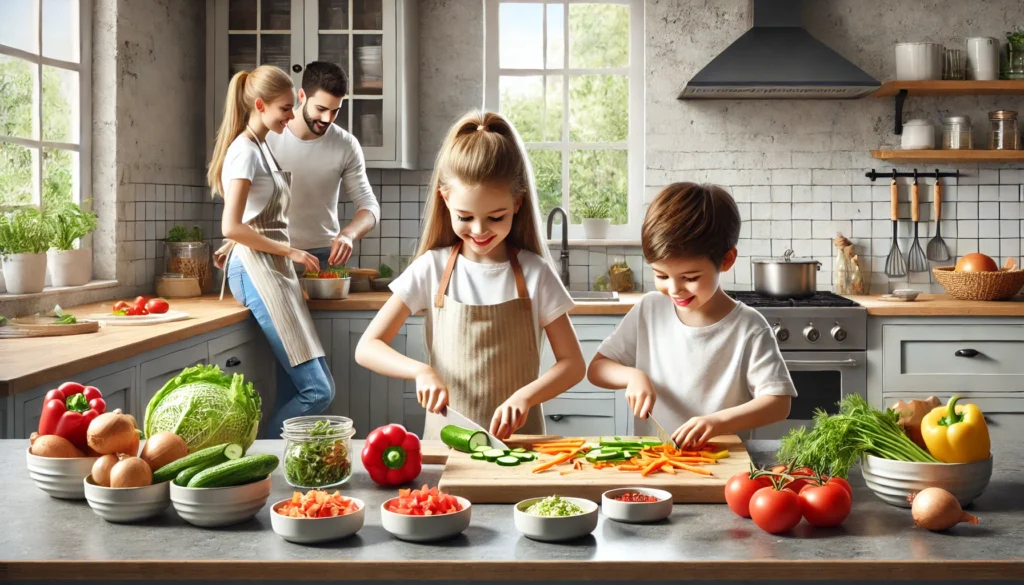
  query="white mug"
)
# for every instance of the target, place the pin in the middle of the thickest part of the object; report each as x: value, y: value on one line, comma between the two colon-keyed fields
x: 983, y: 58
x: 918, y: 61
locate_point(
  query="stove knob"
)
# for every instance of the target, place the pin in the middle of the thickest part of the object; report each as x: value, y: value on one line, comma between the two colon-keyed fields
x: 838, y: 333
x: 781, y: 333
x: 811, y: 334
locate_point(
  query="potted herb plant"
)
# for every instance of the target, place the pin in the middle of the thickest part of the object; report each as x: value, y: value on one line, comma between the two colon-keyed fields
x: 596, y: 218
x: 1015, y: 54
x: 68, y: 265
x: 24, y: 239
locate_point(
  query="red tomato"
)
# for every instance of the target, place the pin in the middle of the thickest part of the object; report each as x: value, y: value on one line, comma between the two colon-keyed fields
x: 842, y: 482
x: 775, y: 511
x: 423, y: 502
x: 140, y: 302
x: 739, y: 489
x: 120, y: 306
x: 157, y: 306
x: 797, y: 484
x: 826, y: 505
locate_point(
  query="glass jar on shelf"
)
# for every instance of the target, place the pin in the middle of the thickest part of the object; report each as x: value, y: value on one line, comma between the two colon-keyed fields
x: 1003, y: 131
x: 186, y: 254
x: 956, y: 133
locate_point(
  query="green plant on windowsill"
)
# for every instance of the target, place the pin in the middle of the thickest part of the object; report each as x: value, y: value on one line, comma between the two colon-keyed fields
x: 69, y: 223
x: 593, y: 210
x: 182, y: 234
x: 24, y: 231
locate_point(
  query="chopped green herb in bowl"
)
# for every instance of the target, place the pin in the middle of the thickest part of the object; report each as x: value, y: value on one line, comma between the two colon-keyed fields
x: 555, y: 506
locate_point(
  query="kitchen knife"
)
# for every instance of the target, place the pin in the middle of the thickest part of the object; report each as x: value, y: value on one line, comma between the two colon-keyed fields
x: 662, y: 435
x: 453, y: 417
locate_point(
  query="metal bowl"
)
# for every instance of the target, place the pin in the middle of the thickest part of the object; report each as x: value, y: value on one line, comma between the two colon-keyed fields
x: 326, y: 288
x: 893, y: 481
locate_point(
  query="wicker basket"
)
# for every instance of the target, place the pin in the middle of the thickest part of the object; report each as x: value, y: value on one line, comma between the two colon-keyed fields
x: 980, y: 286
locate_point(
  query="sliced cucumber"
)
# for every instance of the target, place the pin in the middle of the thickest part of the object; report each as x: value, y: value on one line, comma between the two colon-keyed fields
x: 507, y: 461
x: 465, y: 440
x: 233, y: 451
x: 479, y: 456
x: 519, y: 450
x: 481, y: 448
x: 493, y: 454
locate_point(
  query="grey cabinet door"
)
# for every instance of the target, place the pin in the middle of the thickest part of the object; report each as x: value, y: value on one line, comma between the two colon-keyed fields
x: 590, y: 336
x: 580, y: 418
x: 119, y: 392
x: 247, y: 352
x: 28, y: 406
x: 153, y: 374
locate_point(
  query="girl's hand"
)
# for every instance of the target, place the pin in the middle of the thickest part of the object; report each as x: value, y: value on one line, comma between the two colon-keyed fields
x: 431, y: 391
x: 640, y: 394
x: 305, y: 258
x: 509, y: 417
x: 221, y: 255
x: 696, y: 432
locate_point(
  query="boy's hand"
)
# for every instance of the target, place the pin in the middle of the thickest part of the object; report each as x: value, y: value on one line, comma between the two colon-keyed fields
x: 431, y: 391
x: 696, y: 432
x: 640, y: 394
x: 509, y: 417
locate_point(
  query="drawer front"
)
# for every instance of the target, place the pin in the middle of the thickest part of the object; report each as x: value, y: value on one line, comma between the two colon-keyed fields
x: 953, y: 358
x: 591, y: 337
x: 579, y: 418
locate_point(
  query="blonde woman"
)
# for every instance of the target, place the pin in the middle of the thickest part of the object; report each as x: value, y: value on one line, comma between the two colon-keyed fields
x: 483, y: 274
x: 259, y: 257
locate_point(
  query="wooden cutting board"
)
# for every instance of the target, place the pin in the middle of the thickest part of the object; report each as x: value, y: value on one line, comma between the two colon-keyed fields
x: 482, y: 482
x: 436, y: 452
x: 45, y: 327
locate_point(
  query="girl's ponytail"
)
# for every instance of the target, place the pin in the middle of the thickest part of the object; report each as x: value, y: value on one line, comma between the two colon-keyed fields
x: 236, y: 114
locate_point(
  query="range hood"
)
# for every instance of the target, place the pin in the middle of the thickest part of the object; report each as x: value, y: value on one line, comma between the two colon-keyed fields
x: 779, y: 59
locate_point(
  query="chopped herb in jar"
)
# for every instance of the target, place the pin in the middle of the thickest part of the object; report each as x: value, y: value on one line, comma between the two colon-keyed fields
x: 320, y: 460
x: 555, y: 506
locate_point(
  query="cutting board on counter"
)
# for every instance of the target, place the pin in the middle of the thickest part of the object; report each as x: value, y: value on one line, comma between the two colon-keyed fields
x: 436, y: 452
x: 482, y: 482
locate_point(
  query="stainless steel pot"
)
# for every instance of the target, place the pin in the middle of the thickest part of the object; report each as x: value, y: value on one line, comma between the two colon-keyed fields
x: 786, y: 277
x: 326, y: 288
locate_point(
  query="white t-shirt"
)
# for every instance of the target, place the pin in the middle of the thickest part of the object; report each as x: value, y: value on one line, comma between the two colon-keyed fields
x: 698, y: 371
x: 319, y: 168
x: 243, y: 161
x: 473, y: 283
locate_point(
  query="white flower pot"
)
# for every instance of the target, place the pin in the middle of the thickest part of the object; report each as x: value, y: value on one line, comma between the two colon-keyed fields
x: 596, y: 229
x: 69, y: 267
x: 3, y: 283
x: 25, y: 273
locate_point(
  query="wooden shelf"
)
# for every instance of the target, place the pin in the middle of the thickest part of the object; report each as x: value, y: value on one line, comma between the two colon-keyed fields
x: 949, y: 87
x: 950, y: 156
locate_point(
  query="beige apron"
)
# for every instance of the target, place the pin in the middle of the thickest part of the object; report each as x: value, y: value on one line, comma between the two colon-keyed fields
x: 274, y: 276
x: 484, y: 353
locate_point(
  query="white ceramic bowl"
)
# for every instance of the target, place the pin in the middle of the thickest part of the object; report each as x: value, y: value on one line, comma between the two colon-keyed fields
x: 893, y: 481
x: 636, y: 512
x: 906, y: 293
x: 127, y: 504
x: 556, y: 528
x: 426, y: 528
x: 210, y: 507
x: 313, y: 530
x: 61, y: 478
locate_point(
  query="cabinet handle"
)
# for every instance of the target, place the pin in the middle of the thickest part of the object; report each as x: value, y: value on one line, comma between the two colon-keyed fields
x: 969, y: 353
x: 556, y: 417
x: 297, y: 68
x: 233, y: 362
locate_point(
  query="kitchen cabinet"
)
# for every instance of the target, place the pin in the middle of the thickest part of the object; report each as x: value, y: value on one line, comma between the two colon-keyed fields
x: 246, y: 352
x: 374, y: 41
x: 118, y: 390
x: 154, y: 374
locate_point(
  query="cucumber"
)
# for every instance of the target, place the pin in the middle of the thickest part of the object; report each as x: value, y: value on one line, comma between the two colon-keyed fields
x: 522, y: 455
x: 479, y: 456
x: 481, y: 448
x: 507, y: 461
x: 519, y: 450
x: 493, y: 454
x: 237, y: 472
x: 187, y: 474
x: 465, y: 440
x: 210, y: 454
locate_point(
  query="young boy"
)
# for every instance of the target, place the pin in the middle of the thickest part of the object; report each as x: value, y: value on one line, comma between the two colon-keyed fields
x: 714, y: 363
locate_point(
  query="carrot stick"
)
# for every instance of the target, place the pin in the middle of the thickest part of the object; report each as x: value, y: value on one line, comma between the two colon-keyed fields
x: 654, y: 467
x: 690, y: 468
x: 559, y: 459
x: 693, y: 460
x: 630, y: 468
x: 668, y: 469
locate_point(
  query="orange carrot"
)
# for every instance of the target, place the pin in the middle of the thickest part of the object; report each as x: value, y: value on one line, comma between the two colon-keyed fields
x: 668, y: 469
x: 630, y: 468
x: 559, y: 459
x: 690, y: 468
x: 654, y: 467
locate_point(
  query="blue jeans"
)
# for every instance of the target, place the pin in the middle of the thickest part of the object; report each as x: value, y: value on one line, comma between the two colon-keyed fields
x: 305, y: 389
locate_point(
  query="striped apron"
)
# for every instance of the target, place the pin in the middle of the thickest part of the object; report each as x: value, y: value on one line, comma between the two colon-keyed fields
x: 484, y: 353
x: 274, y: 276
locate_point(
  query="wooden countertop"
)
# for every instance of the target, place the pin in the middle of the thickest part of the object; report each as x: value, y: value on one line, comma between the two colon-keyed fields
x: 27, y: 363
x: 373, y: 301
x: 928, y: 305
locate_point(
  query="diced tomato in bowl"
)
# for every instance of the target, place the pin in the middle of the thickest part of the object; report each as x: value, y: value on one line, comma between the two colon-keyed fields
x: 425, y: 515
x: 317, y: 517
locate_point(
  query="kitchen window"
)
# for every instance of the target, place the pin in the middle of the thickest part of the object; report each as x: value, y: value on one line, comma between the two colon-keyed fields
x: 45, y: 102
x: 569, y: 74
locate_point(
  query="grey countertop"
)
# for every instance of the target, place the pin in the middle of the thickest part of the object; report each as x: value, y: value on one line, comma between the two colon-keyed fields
x: 54, y: 539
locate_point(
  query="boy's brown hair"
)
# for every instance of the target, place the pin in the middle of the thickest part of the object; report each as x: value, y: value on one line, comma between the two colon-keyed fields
x: 690, y: 220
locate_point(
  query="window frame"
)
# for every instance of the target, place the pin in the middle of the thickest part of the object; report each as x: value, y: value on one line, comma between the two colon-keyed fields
x: 84, y: 146
x: 634, y: 71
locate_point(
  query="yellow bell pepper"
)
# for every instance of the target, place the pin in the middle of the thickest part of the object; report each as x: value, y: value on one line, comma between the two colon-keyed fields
x: 956, y: 433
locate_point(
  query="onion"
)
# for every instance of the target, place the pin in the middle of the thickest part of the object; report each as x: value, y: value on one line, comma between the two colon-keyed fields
x: 936, y: 509
x: 130, y: 472
x: 113, y: 432
x: 163, y: 448
x: 54, y: 446
x: 101, y: 469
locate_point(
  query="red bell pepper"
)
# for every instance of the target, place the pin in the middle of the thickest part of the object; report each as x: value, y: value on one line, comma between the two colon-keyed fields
x: 68, y: 410
x: 392, y: 455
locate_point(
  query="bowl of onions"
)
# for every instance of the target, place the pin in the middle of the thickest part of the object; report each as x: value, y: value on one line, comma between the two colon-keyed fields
x: 894, y: 481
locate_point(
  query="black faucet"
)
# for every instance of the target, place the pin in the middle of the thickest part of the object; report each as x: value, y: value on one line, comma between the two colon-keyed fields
x: 564, y: 255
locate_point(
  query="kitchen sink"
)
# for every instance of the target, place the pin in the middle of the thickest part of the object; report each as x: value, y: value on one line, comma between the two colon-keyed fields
x: 595, y: 296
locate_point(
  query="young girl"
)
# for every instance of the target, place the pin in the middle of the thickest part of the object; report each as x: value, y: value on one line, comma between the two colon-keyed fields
x: 259, y: 258
x: 483, y: 274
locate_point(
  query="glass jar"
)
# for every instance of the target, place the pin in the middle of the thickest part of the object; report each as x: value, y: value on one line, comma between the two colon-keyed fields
x: 1003, y: 132
x: 1015, y: 62
x: 620, y: 275
x: 317, y: 451
x: 190, y: 259
x: 956, y: 133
